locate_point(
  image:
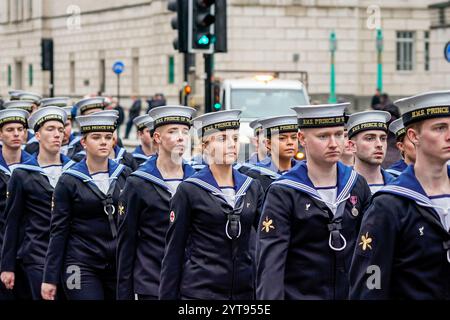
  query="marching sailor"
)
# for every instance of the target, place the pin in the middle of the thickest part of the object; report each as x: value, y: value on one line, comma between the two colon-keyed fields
x: 144, y: 205
x: 29, y: 202
x: 402, y: 249
x: 311, y: 215
x: 147, y: 148
x: 404, y: 145
x: 282, y: 140
x: 13, y: 125
x: 208, y: 252
x: 367, y: 133
x: 84, y: 218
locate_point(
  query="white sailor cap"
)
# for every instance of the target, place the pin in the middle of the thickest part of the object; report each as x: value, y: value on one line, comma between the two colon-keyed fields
x: 280, y: 124
x: 397, y: 128
x: 171, y: 115
x: 150, y: 124
x: 367, y: 120
x: 322, y: 115
x: 97, y: 123
x: 57, y: 102
x: 141, y: 121
x: 19, y: 104
x: 109, y: 112
x: 427, y: 105
x: 14, y: 94
x: 256, y: 126
x: 68, y: 111
x: 30, y: 96
x: 42, y: 115
x: 217, y: 121
x: 89, y: 103
x: 13, y: 115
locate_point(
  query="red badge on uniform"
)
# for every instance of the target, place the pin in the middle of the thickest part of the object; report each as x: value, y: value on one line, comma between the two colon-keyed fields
x: 172, y: 216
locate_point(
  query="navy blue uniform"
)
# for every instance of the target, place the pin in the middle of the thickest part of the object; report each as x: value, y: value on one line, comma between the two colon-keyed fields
x: 32, y: 146
x: 200, y: 259
x: 402, y: 236
x: 266, y: 172
x: 82, y: 235
x: 397, y: 168
x: 121, y: 157
x: 28, y: 208
x: 145, y: 207
x: 301, y: 250
x: 5, y: 174
x: 139, y: 156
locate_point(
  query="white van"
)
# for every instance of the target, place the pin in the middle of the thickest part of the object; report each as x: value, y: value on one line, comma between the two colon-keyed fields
x: 259, y: 97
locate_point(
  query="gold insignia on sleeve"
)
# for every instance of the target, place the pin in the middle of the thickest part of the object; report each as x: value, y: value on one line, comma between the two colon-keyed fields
x: 365, y: 242
x: 121, y: 209
x: 267, y: 225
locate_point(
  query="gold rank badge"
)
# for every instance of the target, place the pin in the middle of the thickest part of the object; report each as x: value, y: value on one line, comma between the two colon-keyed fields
x: 366, y: 240
x: 121, y: 209
x: 267, y: 225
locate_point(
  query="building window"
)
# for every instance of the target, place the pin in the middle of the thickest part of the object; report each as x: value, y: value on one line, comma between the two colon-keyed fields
x: 442, y: 16
x: 405, y: 50
x: 427, y: 50
x: 171, y: 78
x: 9, y: 75
x: 30, y: 75
x: 135, y: 76
x: 72, y: 76
x: 102, y: 75
x: 18, y: 75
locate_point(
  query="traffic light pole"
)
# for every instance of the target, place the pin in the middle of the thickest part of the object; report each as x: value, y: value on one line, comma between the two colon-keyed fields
x: 185, y: 77
x: 208, y: 79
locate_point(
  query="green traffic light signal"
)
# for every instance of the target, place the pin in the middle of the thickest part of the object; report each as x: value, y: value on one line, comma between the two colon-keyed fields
x: 203, y: 40
x: 217, y: 106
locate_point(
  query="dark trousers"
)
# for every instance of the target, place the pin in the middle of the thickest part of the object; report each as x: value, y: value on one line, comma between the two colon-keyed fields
x: 146, y: 297
x: 128, y: 128
x: 94, y: 283
x: 34, y: 274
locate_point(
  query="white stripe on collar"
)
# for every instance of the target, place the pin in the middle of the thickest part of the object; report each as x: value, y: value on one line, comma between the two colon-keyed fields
x: 393, y: 172
x: 30, y: 167
x: 139, y: 156
x: 218, y: 192
x: 74, y: 141
x: 120, y: 155
x: 343, y: 195
x: 419, y: 198
x: 86, y: 178
x: 32, y: 140
x: 266, y: 172
x: 69, y: 164
x: 5, y: 170
x: 152, y: 178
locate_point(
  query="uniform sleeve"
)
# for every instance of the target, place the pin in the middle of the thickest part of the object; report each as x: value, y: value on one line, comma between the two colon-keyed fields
x: 260, y: 193
x: 59, y: 229
x: 131, y: 162
x: 274, y: 233
x: 130, y: 207
x: 176, y: 237
x: 371, y: 266
x: 14, y: 212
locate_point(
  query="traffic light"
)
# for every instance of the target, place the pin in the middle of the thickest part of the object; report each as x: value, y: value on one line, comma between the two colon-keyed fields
x: 47, y: 54
x: 180, y: 23
x: 216, y: 103
x: 201, y: 26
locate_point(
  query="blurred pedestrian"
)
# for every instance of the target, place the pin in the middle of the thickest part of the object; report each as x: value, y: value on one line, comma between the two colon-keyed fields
x: 376, y: 98
x: 134, y: 112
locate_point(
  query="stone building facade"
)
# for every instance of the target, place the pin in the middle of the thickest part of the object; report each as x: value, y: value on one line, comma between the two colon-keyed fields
x: 271, y: 35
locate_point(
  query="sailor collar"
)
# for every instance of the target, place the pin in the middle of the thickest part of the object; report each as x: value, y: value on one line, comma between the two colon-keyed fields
x: 205, y: 179
x: 297, y: 178
x: 149, y: 171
